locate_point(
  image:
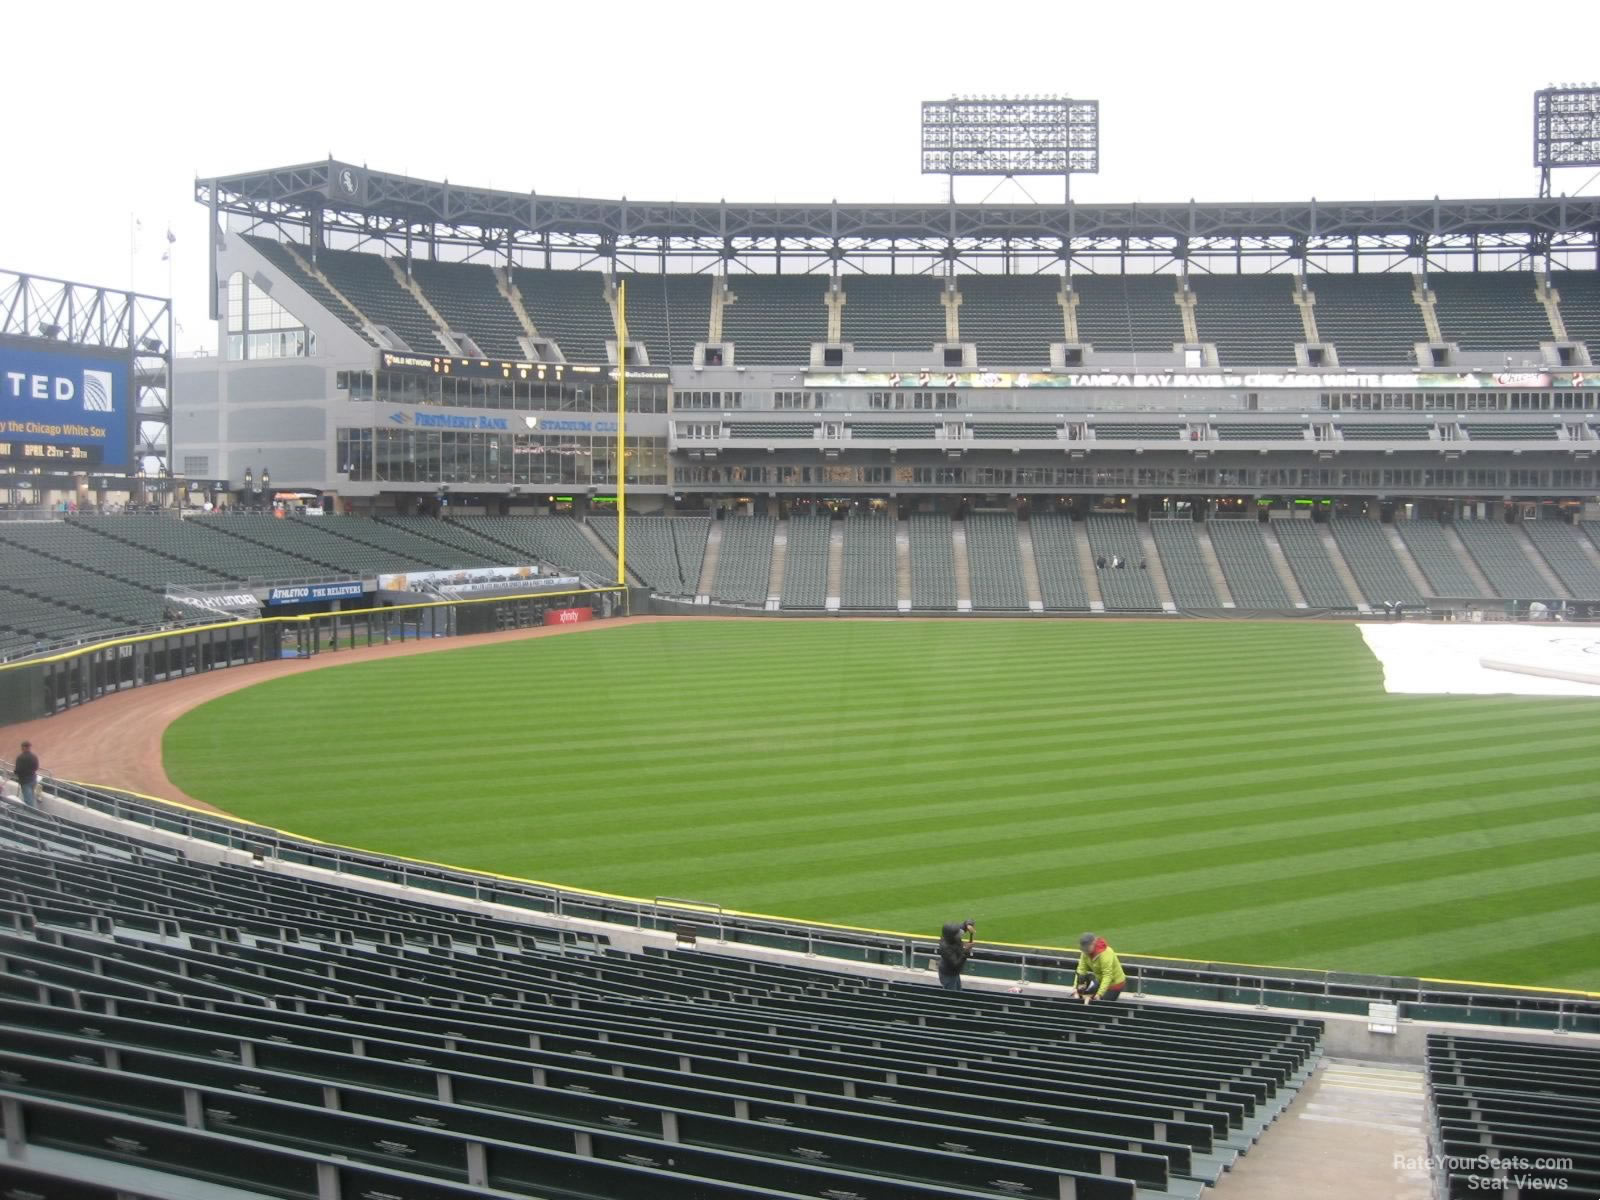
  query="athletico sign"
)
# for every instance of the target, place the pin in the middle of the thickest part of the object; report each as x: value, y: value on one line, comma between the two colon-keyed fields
x: 568, y: 616
x: 306, y: 592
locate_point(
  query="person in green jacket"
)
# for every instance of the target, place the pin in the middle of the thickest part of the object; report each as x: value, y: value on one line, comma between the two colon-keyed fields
x: 1100, y: 976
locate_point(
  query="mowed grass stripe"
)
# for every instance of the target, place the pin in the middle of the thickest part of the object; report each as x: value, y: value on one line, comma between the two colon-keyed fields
x: 1208, y: 790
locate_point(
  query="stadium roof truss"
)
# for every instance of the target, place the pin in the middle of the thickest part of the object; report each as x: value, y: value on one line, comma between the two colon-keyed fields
x: 339, y: 204
x: 102, y: 318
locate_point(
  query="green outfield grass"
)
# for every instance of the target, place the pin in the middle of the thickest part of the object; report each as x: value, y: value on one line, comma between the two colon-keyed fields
x: 1224, y: 790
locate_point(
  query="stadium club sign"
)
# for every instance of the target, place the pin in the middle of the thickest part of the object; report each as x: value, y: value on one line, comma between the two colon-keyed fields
x: 1209, y: 380
x: 62, y: 409
x: 305, y: 592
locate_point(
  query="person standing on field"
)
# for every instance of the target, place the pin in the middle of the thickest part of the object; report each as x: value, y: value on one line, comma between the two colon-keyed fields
x: 1100, y: 975
x: 26, y: 769
x: 954, y: 952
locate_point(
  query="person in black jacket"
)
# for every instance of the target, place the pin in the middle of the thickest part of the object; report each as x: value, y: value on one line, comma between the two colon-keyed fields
x: 954, y: 952
x: 26, y: 769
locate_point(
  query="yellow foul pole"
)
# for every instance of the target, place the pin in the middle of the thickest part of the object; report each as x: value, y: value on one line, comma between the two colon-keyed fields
x: 622, y: 424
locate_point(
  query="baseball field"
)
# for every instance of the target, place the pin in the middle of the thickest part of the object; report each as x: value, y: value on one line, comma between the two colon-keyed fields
x: 1235, y: 791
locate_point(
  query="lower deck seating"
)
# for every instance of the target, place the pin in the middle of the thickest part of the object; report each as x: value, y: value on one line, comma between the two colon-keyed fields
x: 1185, y: 566
x: 1301, y: 542
x: 869, y: 562
x: 1242, y: 554
x: 1125, y: 582
x: 1570, y: 556
x: 665, y: 552
x: 744, y: 561
x: 933, y: 566
x: 1501, y: 552
x: 1514, y: 1118
x: 233, y: 1027
x: 1372, y: 560
x: 805, y: 567
x: 559, y: 540
x: 1438, y: 560
x: 1055, y: 554
x: 996, y: 562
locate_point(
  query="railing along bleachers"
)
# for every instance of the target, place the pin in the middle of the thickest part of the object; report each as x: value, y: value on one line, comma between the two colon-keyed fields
x: 776, y: 318
x: 1055, y: 555
x: 1242, y: 554
x: 1569, y: 554
x: 665, y: 552
x: 887, y: 313
x: 1490, y: 310
x: 1371, y: 320
x: 1514, y: 1118
x: 1437, y: 559
x: 744, y: 560
x: 1115, y: 536
x: 467, y: 297
x: 1252, y: 319
x: 1012, y: 319
x: 933, y: 564
x: 1377, y: 568
x: 669, y: 314
x: 368, y: 283
x: 1185, y: 566
x: 1313, y: 570
x: 995, y: 557
x: 1501, y: 554
x: 245, y: 1028
x: 1128, y: 313
x: 869, y: 562
x: 1580, y: 306
x: 805, y: 562
x: 279, y: 256
x: 570, y: 308
x: 557, y: 540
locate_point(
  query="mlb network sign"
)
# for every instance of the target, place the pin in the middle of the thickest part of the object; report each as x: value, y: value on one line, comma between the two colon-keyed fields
x: 63, y: 409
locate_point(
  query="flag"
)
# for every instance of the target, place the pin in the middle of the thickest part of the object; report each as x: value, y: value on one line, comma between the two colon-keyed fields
x: 170, y: 237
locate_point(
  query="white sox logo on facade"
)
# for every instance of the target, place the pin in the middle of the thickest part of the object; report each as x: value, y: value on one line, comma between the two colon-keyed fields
x: 347, y: 181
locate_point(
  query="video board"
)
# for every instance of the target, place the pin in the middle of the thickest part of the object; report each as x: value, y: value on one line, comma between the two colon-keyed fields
x: 64, y: 409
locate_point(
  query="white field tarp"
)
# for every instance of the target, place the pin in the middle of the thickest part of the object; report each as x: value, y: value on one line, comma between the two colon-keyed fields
x: 1544, y: 659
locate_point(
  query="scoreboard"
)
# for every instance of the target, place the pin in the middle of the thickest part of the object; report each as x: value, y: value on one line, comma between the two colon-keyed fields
x: 64, y: 409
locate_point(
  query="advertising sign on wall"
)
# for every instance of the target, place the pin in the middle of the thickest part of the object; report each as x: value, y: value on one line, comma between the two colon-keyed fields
x: 568, y: 616
x: 63, y: 409
x: 306, y: 592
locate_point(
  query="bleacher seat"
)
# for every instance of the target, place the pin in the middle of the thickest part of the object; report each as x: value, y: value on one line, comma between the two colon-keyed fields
x: 775, y: 318
x: 1055, y: 555
x: 1242, y: 554
x: 995, y: 560
x: 868, y: 581
x: 1251, y: 319
x: 1372, y: 560
x: 1501, y: 554
x: 367, y: 282
x: 665, y: 552
x: 467, y: 297
x: 556, y: 540
x: 1371, y: 320
x: 805, y: 566
x: 1301, y: 542
x: 933, y: 569
x: 1580, y: 306
x: 230, y: 1027
x: 1185, y: 566
x: 887, y: 313
x: 1012, y: 319
x: 1438, y: 560
x: 1128, y: 313
x: 744, y: 560
x: 1128, y: 587
x: 280, y: 257
x: 669, y: 314
x: 1570, y: 556
x: 1490, y: 310
x: 570, y: 308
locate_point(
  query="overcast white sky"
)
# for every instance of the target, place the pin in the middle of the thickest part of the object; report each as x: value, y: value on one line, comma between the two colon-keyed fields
x: 114, y: 109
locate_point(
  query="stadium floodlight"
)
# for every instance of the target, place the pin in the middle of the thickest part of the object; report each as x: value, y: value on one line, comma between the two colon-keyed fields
x: 1044, y: 135
x: 1566, y: 129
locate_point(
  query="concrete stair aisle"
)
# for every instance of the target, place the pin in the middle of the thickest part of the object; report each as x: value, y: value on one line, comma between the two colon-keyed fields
x: 513, y: 294
x: 1558, y: 589
x: 780, y: 556
x: 902, y: 566
x: 1280, y: 564
x: 1412, y: 570
x: 1354, y: 1129
x: 1208, y: 555
x: 835, y: 565
x: 708, y: 565
x: 1086, y: 568
x: 1158, y: 573
x: 963, y: 565
x: 1030, y: 569
x: 1342, y: 569
x: 1468, y: 563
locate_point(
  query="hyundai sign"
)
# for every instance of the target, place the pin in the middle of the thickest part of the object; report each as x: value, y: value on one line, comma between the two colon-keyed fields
x: 64, y: 411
